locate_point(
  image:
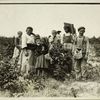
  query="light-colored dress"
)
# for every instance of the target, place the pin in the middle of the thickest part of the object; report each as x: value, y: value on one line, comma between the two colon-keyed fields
x: 17, y: 49
x: 27, y: 62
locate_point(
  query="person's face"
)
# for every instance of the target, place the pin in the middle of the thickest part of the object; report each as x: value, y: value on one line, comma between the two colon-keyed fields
x: 66, y: 29
x: 19, y: 34
x: 81, y: 32
x: 28, y: 31
x: 38, y: 41
x: 42, y: 41
x: 54, y: 33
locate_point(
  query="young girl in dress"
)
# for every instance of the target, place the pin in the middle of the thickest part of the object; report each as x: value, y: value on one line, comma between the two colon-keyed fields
x: 41, y: 64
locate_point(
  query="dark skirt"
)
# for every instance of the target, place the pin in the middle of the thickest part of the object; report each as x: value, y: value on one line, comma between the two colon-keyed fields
x: 41, y: 62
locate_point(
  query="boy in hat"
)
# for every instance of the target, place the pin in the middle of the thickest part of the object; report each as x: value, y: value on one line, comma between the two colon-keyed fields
x: 81, y: 53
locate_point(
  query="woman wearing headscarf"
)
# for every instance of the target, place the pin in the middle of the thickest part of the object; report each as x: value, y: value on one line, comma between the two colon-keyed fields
x: 68, y: 46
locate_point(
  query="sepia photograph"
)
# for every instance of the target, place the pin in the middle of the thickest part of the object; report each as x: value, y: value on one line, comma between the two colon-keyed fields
x: 50, y: 49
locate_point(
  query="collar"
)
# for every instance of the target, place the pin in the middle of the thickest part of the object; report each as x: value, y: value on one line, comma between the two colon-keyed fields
x: 67, y: 34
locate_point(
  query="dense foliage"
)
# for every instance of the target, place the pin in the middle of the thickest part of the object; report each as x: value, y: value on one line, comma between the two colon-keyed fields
x: 9, y: 75
x: 8, y: 71
x: 62, y: 61
x: 96, y: 43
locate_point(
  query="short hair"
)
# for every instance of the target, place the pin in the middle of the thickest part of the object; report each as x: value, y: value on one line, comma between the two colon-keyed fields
x: 81, y: 28
x: 30, y: 28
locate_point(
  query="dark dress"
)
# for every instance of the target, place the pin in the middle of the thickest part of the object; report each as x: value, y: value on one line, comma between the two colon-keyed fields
x: 40, y: 59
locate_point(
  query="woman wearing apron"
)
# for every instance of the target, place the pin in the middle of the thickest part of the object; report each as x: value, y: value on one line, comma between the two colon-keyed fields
x: 27, y: 58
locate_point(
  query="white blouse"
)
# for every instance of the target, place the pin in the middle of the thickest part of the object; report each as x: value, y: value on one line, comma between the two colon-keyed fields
x: 27, y: 39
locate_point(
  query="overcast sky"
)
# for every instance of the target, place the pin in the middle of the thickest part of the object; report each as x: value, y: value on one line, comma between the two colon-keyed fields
x: 44, y: 18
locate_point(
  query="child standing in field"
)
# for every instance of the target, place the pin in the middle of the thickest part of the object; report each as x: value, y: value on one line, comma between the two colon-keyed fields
x: 17, y: 49
x: 41, y: 64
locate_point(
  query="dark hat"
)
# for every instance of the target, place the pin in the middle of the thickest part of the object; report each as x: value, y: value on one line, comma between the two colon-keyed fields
x: 58, y: 31
x: 81, y: 28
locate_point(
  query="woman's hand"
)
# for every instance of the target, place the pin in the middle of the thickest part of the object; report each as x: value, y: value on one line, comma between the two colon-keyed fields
x: 26, y: 53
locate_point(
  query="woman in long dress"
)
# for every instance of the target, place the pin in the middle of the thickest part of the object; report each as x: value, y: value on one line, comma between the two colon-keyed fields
x: 27, y: 58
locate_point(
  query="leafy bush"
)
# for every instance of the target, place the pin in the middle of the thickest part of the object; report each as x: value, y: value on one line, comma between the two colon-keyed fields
x: 6, y: 47
x: 9, y: 77
x: 62, y: 61
x: 96, y: 43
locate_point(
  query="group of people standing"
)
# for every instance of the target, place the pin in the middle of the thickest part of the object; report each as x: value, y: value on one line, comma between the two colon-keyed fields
x: 37, y: 54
